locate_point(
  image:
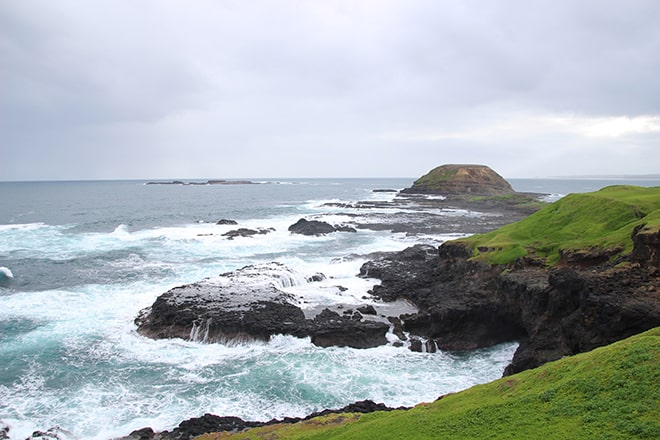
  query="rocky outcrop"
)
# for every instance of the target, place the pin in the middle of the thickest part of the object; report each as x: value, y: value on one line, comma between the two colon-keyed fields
x: 248, y: 304
x: 208, y: 423
x: 245, y: 232
x: 331, y: 329
x: 315, y: 227
x: 4, y: 431
x: 552, y: 312
x: 646, y: 242
x: 208, y: 182
x: 461, y: 180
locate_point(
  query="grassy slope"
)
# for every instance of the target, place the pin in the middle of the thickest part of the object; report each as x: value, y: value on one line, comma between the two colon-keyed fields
x: 437, y: 176
x: 603, y: 219
x: 611, y: 392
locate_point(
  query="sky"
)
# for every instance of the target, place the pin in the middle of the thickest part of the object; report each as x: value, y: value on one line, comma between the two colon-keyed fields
x: 151, y: 89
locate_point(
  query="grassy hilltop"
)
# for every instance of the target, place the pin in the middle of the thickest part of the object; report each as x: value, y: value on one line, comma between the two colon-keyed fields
x: 611, y: 392
x: 600, y: 222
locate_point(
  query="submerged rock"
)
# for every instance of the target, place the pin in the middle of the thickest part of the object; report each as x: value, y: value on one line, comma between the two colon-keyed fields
x: 245, y: 232
x: 55, y: 433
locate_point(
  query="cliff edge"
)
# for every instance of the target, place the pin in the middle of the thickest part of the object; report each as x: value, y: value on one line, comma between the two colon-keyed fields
x: 581, y: 273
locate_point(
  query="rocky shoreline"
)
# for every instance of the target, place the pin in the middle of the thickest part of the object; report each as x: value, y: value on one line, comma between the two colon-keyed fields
x: 191, y: 428
x: 456, y: 303
x: 461, y: 304
x: 553, y: 312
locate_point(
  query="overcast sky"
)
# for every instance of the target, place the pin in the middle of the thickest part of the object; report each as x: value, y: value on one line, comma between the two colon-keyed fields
x: 204, y: 88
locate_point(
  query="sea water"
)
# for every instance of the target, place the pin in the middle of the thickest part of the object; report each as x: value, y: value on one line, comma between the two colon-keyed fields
x: 79, y: 260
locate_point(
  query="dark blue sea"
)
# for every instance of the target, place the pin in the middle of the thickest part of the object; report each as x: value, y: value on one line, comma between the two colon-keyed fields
x: 79, y: 260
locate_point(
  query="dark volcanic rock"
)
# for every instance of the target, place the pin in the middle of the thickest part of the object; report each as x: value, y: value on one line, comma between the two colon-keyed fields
x: 140, y: 434
x: 246, y: 305
x: 315, y: 227
x: 244, y: 232
x: 367, y: 310
x: 332, y: 329
x: 311, y: 227
x: 229, y: 182
x: 225, y: 221
x: 553, y: 313
x: 55, y: 433
x: 210, y: 423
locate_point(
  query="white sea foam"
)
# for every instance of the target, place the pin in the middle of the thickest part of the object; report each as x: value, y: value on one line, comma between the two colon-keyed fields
x: 549, y: 198
x: 22, y: 226
x: 80, y: 363
x: 5, y: 272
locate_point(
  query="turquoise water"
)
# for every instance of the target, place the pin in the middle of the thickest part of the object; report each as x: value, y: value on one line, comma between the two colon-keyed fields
x: 85, y: 257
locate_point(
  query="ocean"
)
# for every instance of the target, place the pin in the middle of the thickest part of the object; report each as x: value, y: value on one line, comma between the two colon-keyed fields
x: 79, y: 260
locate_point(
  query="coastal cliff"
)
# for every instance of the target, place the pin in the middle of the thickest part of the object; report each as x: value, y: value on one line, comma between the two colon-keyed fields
x: 578, y: 274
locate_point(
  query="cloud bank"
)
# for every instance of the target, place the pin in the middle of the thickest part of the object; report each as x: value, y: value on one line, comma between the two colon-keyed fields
x: 162, y: 89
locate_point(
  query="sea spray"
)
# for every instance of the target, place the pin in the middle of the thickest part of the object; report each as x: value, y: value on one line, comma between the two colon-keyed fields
x: 90, y: 255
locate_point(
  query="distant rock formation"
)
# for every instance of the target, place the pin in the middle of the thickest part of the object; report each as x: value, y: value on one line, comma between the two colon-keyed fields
x: 245, y: 232
x: 208, y: 182
x: 225, y: 221
x: 460, y: 180
x: 315, y: 227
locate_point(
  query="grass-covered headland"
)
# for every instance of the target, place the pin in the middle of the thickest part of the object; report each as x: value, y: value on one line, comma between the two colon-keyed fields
x: 597, y: 223
x: 612, y: 392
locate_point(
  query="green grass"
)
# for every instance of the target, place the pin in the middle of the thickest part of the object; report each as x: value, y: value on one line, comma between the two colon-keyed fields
x: 612, y: 392
x: 437, y: 176
x: 600, y: 221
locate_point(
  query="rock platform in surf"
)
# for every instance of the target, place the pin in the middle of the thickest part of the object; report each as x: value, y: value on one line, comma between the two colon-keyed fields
x: 248, y: 304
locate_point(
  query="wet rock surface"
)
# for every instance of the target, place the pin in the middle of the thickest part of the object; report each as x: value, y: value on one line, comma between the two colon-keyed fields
x: 191, y: 428
x: 552, y: 312
x: 316, y: 227
x: 246, y: 305
x: 245, y: 232
x: 225, y: 221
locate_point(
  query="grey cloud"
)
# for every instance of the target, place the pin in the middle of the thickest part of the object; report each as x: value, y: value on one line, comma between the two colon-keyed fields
x: 193, y: 87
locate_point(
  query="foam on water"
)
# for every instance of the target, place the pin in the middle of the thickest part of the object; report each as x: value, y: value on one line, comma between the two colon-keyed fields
x: 91, y: 357
x: 5, y: 272
x: 72, y: 357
